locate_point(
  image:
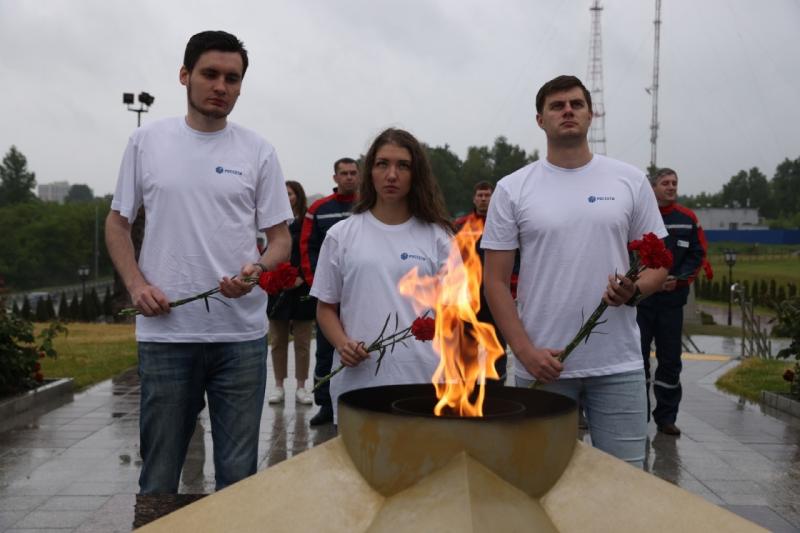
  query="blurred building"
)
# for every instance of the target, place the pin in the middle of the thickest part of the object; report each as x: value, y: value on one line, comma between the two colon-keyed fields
x: 728, y: 218
x: 54, y: 192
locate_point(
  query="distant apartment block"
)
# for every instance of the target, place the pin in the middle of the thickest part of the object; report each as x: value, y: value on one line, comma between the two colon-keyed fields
x: 54, y: 192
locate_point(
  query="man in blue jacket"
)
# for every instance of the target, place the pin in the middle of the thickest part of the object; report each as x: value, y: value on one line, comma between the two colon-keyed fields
x: 660, y: 316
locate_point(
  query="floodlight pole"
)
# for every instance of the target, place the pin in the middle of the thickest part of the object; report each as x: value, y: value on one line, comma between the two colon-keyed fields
x: 145, y: 101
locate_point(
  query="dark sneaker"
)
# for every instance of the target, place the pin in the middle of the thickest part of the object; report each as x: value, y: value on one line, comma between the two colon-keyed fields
x: 323, y: 416
x: 669, y: 429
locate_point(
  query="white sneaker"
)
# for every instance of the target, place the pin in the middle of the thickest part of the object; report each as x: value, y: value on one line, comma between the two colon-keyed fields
x: 276, y: 396
x: 303, y: 396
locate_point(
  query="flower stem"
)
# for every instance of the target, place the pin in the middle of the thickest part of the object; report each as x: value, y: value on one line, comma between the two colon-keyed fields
x: 590, y: 324
x: 374, y: 347
x: 132, y: 311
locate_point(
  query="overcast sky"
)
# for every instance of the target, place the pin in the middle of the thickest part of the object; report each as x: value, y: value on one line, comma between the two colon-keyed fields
x: 326, y: 76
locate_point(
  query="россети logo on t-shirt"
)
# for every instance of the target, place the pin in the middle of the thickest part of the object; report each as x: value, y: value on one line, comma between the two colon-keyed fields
x: 223, y: 170
x: 406, y: 255
x: 592, y: 199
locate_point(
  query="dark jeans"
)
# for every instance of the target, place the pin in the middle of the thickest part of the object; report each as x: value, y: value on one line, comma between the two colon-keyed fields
x: 174, y: 378
x: 664, y: 325
x: 322, y: 367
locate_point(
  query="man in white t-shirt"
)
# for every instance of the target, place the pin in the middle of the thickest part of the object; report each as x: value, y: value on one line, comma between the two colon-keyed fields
x: 207, y: 187
x: 571, y: 216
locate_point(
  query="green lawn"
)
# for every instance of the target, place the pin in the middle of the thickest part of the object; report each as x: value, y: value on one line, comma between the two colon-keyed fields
x: 90, y: 353
x: 754, y: 375
x: 783, y: 271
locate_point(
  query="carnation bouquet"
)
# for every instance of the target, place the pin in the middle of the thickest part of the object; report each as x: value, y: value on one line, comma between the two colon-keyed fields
x: 649, y: 252
x: 422, y: 329
x: 272, y: 282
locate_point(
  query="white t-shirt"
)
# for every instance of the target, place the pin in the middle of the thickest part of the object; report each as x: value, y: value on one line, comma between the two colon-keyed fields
x: 572, y: 227
x: 205, y: 195
x: 360, y: 263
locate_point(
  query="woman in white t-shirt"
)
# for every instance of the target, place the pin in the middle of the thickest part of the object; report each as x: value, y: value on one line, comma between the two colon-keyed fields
x: 399, y: 222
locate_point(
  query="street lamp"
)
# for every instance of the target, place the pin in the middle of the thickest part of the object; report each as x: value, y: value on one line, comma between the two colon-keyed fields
x: 145, y: 101
x: 730, y: 260
x: 83, y: 273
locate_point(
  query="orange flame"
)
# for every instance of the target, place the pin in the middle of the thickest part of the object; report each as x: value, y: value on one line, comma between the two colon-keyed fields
x: 467, y: 348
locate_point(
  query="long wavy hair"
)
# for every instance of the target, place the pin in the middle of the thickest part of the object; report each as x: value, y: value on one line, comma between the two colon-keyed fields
x: 425, y: 200
x: 301, y: 206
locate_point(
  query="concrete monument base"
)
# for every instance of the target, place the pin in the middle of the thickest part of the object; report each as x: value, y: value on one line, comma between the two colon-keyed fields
x: 322, y: 490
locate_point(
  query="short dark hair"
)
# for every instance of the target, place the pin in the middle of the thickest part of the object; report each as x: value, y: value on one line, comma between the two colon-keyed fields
x: 345, y: 160
x: 660, y: 173
x: 425, y: 200
x: 220, y: 41
x: 559, y: 84
x: 482, y: 185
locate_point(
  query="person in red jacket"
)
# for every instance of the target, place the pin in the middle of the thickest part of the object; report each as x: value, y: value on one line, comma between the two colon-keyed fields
x: 319, y: 218
x: 660, y: 316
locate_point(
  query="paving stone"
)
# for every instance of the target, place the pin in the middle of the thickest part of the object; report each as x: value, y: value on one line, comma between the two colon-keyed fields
x: 53, y: 519
x: 764, y: 516
x: 10, y: 518
x: 73, y: 503
x: 20, y: 503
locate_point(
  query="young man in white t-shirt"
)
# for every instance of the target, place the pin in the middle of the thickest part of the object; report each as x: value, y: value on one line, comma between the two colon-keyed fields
x: 571, y: 216
x: 207, y: 186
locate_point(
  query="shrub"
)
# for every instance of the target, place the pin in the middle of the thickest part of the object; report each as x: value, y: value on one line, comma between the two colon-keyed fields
x: 63, y: 307
x: 74, y: 307
x: 20, y: 353
x: 788, y: 325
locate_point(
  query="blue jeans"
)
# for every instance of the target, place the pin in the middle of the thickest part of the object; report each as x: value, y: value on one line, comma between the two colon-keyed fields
x: 615, y: 407
x: 174, y: 378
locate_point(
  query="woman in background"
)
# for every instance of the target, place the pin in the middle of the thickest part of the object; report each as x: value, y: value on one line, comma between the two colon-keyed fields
x: 292, y: 311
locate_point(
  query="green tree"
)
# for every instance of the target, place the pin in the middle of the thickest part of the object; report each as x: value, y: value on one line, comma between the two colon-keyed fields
x: 786, y: 188
x: 478, y: 166
x: 446, y: 167
x: 507, y: 158
x: 63, y: 307
x: 703, y: 199
x: 747, y: 189
x: 75, y: 308
x: 16, y: 182
x: 25, y: 312
x: 108, y: 309
x: 79, y: 193
x: 44, y: 243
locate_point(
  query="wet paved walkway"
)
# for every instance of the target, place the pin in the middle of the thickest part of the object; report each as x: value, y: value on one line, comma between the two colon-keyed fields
x: 75, y: 468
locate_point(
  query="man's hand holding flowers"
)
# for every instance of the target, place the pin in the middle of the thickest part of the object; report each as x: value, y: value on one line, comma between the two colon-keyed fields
x: 148, y: 299
x: 646, y: 275
x: 619, y: 291
x: 238, y: 286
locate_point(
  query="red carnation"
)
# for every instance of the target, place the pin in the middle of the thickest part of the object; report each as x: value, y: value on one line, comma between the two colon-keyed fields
x: 38, y: 377
x: 274, y: 281
x: 423, y: 328
x: 41, y: 354
x: 37, y: 366
x: 270, y: 282
x: 652, y: 252
x: 287, y: 274
x: 789, y: 375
